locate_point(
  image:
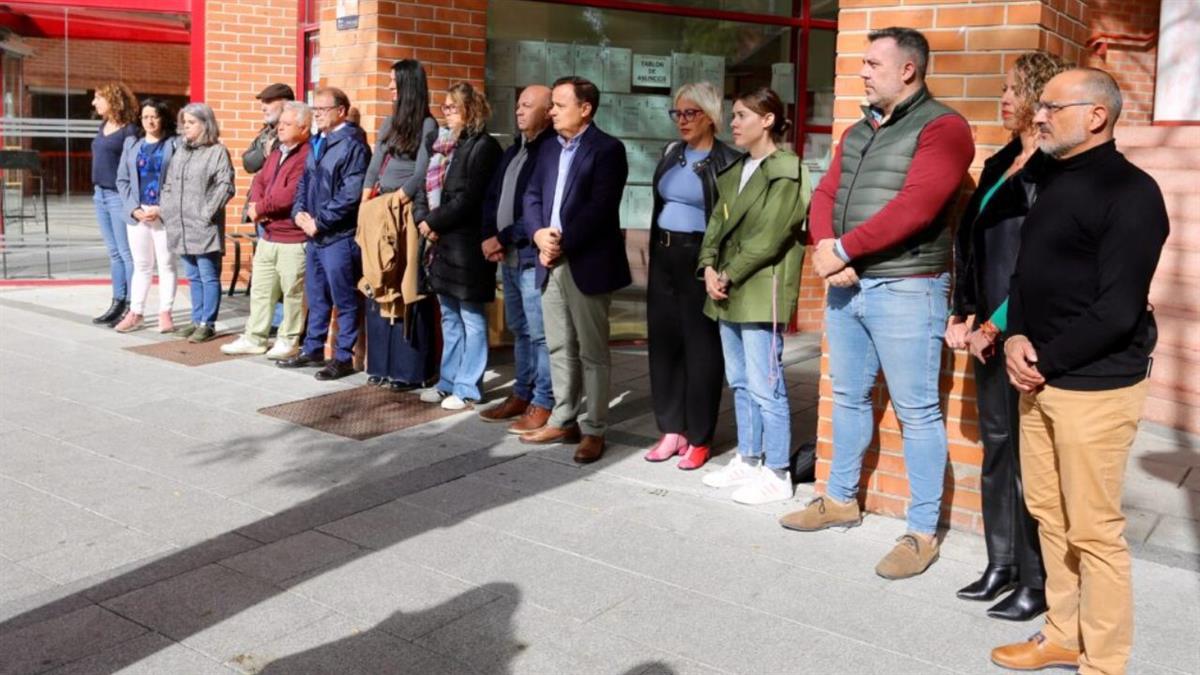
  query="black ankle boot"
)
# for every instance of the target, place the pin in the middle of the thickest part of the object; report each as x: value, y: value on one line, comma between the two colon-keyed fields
x: 120, y: 315
x: 1022, y: 605
x: 116, y: 309
x: 995, y: 580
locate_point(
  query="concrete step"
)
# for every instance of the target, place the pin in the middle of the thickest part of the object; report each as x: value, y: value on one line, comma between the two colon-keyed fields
x: 1157, y: 137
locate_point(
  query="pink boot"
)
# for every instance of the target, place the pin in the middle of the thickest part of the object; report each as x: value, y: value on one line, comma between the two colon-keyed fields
x: 668, y: 447
x: 694, y: 458
x: 165, y: 323
x: 130, y: 323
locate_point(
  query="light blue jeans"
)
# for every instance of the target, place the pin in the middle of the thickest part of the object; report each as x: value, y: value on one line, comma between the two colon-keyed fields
x: 754, y: 369
x: 464, y: 347
x: 523, y: 314
x: 896, y: 324
x: 204, y: 281
x: 110, y: 213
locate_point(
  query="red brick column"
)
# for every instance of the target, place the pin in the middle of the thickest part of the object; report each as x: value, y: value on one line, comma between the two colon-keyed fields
x: 972, y: 48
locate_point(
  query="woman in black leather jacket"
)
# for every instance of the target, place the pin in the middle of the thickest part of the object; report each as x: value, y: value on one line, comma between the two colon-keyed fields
x: 686, y: 365
x: 988, y: 240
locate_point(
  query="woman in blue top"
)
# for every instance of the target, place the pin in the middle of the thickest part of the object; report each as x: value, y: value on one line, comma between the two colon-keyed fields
x: 116, y: 105
x: 686, y: 364
x: 139, y: 180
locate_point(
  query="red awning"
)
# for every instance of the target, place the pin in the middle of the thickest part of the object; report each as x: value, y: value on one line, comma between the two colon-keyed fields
x: 94, y: 24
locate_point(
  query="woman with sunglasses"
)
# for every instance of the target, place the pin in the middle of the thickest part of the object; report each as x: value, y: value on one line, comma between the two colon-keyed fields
x: 686, y: 365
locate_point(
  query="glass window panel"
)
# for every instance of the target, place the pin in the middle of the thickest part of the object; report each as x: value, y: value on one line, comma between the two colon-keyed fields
x: 824, y: 9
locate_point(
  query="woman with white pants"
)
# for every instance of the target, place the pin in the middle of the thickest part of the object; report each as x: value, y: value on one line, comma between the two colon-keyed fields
x: 139, y: 180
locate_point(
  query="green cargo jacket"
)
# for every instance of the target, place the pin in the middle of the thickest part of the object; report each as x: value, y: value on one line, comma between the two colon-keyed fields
x: 757, y: 238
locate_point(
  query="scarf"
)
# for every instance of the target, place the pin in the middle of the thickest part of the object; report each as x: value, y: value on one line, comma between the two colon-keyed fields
x: 439, y: 161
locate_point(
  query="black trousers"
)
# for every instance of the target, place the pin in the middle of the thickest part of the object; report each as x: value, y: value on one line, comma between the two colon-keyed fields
x: 686, y: 361
x: 1009, y: 531
x: 390, y: 353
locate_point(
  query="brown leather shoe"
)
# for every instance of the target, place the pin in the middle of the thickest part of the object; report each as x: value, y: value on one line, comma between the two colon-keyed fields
x: 535, y: 418
x: 1034, y: 654
x: 509, y: 408
x: 549, y: 434
x: 590, y: 449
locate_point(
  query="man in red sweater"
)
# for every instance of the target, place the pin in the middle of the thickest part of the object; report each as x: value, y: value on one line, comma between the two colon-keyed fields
x: 880, y: 220
x: 279, y: 257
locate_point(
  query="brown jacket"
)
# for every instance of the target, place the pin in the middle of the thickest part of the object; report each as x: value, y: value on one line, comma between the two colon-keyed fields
x: 390, y: 244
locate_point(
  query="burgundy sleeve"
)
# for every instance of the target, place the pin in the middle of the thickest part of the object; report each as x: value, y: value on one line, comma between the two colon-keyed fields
x: 944, y: 153
x: 820, y: 211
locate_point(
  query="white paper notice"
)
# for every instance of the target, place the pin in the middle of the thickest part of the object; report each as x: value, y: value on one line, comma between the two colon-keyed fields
x: 560, y: 60
x: 617, y: 62
x: 531, y: 62
x: 589, y: 64
x: 502, y: 62
x: 637, y: 205
x: 643, y: 158
x: 783, y: 81
x: 504, y: 103
x: 657, y: 113
x: 712, y: 70
x: 684, y: 68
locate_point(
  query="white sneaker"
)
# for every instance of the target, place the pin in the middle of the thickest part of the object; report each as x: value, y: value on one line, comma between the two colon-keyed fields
x: 283, y: 349
x: 771, y: 485
x: 453, y: 403
x: 433, y: 395
x: 738, y: 471
x: 243, y: 346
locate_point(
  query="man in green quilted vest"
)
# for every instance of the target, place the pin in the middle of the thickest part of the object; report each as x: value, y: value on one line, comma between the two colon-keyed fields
x: 880, y: 222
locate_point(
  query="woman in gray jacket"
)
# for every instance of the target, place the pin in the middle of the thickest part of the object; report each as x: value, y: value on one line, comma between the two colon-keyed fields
x: 199, y: 183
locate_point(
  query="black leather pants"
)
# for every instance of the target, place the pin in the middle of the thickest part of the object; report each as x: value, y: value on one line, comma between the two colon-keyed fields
x: 1009, y: 530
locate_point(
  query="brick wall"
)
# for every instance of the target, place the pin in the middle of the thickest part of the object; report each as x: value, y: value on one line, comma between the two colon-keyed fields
x: 1131, y: 60
x: 972, y: 48
x: 90, y: 63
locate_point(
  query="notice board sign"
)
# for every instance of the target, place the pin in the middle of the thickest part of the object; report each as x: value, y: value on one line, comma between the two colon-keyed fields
x: 651, y: 71
x: 347, y: 14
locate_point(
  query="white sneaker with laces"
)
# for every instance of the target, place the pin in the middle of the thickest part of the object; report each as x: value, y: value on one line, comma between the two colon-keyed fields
x: 433, y: 395
x: 243, y: 346
x: 282, y: 349
x: 738, y: 471
x: 453, y: 403
x: 771, y: 485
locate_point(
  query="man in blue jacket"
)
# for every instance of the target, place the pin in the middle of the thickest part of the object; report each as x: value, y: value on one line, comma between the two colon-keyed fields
x: 505, y: 241
x: 326, y: 209
x: 572, y: 214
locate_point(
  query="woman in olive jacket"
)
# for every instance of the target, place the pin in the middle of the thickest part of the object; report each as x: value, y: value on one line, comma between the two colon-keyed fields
x: 463, y: 158
x: 198, y: 184
x: 686, y: 365
x: 750, y: 260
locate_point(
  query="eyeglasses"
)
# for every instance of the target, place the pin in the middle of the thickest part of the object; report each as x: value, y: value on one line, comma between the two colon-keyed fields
x: 1051, y: 107
x: 449, y: 109
x: 322, y: 109
x: 688, y: 115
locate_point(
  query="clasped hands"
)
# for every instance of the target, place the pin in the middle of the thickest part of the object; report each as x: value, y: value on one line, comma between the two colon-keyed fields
x: 549, y: 244
x: 306, y: 222
x: 147, y: 214
x: 830, y: 267
x: 493, y: 250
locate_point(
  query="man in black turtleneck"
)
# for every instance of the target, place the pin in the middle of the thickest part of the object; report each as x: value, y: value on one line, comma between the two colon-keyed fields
x: 1081, y: 335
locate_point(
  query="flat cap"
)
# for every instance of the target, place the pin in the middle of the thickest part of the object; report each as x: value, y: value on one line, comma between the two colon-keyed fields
x: 276, y: 91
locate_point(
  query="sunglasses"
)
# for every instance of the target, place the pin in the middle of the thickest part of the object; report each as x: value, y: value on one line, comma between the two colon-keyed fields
x: 687, y: 115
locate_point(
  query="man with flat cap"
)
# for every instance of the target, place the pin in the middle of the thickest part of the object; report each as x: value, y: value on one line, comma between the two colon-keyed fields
x: 272, y: 99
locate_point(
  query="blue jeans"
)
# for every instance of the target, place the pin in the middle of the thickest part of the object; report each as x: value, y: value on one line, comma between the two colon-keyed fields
x: 204, y: 280
x: 896, y: 324
x: 112, y: 218
x: 754, y: 369
x: 464, y: 347
x: 523, y: 314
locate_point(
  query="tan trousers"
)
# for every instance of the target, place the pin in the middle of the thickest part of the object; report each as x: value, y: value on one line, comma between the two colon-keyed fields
x: 577, y: 332
x: 278, y: 274
x: 1074, y: 445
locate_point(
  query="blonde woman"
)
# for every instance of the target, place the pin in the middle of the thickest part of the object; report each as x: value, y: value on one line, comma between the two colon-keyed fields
x: 450, y: 213
x: 199, y: 183
x: 116, y: 105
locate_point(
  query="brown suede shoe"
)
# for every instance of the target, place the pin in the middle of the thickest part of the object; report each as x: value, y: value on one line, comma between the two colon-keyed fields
x: 821, y: 513
x: 911, y: 556
x: 549, y: 434
x: 509, y: 408
x: 1035, y: 653
x: 535, y: 418
x: 590, y: 449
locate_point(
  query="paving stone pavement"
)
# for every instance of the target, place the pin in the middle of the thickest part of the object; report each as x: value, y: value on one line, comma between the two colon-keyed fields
x: 153, y: 522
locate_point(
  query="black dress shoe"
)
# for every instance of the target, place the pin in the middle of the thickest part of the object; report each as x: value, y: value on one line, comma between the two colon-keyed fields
x: 995, y: 580
x: 377, y: 381
x: 1022, y: 605
x: 302, y: 360
x: 114, y: 312
x: 397, y: 385
x: 335, y: 370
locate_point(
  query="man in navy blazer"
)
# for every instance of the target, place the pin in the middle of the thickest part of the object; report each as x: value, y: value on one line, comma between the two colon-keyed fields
x: 572, y: 214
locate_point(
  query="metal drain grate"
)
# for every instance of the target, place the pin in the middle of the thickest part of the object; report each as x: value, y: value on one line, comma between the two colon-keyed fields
x: 187, y: 353
x: 360, y: 413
